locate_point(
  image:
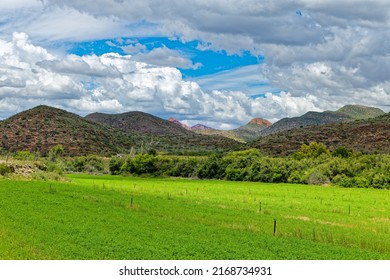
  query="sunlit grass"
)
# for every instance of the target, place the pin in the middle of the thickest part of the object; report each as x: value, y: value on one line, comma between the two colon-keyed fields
x: 107, y: 217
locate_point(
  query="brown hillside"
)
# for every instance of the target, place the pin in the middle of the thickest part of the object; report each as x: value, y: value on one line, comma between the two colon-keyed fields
x: 167, y: 135
x: 139, y: 122
x: 41, y: 128
x: 368, y: 136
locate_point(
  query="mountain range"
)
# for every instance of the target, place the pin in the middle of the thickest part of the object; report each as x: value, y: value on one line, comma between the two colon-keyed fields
x: 42, y: 127
x: 359, y: 128
x: 345, y: 114
x: 258, y: 127
x: 244, y: 133
x: 365, y: 135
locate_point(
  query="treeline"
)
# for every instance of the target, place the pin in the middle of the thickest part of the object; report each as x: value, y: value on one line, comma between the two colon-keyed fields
x: 312, y: 164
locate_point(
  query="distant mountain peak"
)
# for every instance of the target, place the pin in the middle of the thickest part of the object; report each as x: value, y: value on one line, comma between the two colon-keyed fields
x: 199, y: 126
x: 260, y: 122
x: 174, y: 120
x: 358, y: 112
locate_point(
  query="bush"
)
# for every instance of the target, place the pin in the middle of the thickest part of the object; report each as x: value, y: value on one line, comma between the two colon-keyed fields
x: 313, y: 150
x: 115, y: 165
x: 342, y: 152
x: 184, y: 168
x: 24, y: 155
x: 213, y: 168
x: 90, y: 164
x: 56, y: 152
x: 317, y: 178
x: 5, y: 169
x: 140, y: 164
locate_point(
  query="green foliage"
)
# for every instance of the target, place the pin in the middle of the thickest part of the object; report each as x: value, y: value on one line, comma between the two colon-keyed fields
x: 184, y: 167
x: 5, y: 169
x: 24, y: 155
x: 213, y: 168
x: 56, y: 152
x: 115, y: 165
x: 313, y: 164
x: 342, y: 152
x: 88, y: 164
x: 313, y: 150
x: 140, y: 164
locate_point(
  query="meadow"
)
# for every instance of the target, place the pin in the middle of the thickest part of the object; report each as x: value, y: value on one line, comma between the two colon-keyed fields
x: 117, y: 217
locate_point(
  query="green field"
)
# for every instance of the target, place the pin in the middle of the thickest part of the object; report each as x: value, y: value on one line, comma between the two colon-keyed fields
x: 110, y: 217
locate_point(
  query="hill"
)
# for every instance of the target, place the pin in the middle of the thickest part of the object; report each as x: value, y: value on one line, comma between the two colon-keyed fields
x: 41, y: 128
x: 139, y: 122
x: 166, y: 135
x: 252, y: 130
x: 368, y: 136
x: 245, y: 133
x: 344, y: 114
x: 360, y: 112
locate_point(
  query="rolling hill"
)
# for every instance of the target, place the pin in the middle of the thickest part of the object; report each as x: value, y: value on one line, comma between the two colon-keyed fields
x: 367, y: 135
x: 344, y: 114
x: 245, y: 133
x: 139, y: 122
x: 167, y: 135
x: 41, y: 128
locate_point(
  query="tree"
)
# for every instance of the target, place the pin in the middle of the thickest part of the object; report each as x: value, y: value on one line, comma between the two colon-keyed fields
x: 313, y: 150
x: 342, y: 152
x: 56, y: 152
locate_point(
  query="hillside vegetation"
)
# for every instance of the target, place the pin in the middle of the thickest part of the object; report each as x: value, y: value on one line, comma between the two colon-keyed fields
x: 368, y: 136
x: 43, y: 127
x: 347, y: 113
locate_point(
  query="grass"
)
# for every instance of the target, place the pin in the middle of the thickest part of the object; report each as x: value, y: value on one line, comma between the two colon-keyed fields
x: 109, y: 217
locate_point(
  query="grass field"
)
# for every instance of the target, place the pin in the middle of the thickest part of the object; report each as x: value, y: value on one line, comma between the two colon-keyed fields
x: 107, y: 217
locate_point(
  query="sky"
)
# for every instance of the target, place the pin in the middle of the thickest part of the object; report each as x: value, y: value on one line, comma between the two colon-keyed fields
x: 216, y: 62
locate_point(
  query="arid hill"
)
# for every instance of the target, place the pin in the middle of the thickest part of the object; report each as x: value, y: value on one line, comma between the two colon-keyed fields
x: 368, y: 136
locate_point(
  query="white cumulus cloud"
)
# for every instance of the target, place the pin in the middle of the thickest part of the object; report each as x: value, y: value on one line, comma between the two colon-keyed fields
x: 31, y: 75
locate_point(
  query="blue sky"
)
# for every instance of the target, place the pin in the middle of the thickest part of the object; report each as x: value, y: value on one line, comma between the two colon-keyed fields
x: 212, y: 65
x: 211, y: 61
x: 220, y: 63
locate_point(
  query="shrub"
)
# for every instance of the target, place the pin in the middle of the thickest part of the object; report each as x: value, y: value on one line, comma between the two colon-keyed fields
x: 313, y: 150
x: 90, y: 164
x: 24, y: 155
x: 5, y: 169
x: 213, y: 168
x: 115, y: 165
x: 317, y: 178
x: 56, y: 152
x: 342, y: 152
x: 140, y: 164
x: 184, y: 168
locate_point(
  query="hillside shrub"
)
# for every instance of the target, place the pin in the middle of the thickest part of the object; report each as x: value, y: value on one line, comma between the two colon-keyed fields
x: 342, y: 152
x: 24, y: 155
x: 140, y: 164
x: 212, y: 168
x: 89, y: 164
x: 313, y: 150
x: 115, y: 165
x: 184, y: 168
x: 5, y: 169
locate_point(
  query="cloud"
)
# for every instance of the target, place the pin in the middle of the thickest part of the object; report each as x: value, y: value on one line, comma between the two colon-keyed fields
x: 248, y: 79
x: 166, y: 57
x: 133, y: 48
x: 117, y: 83
x: 330, y: 54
